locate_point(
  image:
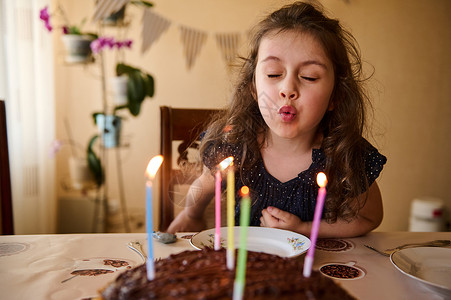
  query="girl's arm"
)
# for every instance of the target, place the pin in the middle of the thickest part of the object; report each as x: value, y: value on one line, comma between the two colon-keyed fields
x: 368, y: 218
x: 191, y: 218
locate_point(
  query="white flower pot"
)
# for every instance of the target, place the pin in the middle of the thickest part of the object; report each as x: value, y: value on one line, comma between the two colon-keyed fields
x: 78, y: 48
x: 119, y: 87
x: 80, y: 174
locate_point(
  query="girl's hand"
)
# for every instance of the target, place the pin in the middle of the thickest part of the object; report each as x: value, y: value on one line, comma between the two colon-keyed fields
x: 184, y: 223
x: 277, y: 218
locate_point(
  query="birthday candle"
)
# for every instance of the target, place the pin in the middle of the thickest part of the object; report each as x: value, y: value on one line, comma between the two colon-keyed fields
x: 230, y: 218
x: 321, y: 179
x: 222, y: 166
x: 152, y: 168
x: 218, y: 210
x: 240, y: 277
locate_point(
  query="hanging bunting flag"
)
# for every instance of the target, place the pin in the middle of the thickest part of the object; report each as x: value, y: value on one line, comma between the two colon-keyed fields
x: 153, y: 26
x: 192, y: 40
x: 228, y: 43
x: 104, y: 8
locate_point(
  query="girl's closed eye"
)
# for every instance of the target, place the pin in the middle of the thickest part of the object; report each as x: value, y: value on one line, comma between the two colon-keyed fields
x: 308, y: 78
x: 274, y: 75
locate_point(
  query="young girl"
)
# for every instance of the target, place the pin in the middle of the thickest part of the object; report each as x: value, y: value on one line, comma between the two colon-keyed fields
x: 298, y: 109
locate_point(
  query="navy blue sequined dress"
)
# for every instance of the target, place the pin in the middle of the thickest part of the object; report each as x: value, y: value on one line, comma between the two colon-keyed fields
x: 298, y: 195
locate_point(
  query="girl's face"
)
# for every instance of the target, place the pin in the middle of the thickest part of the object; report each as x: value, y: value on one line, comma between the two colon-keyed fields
x: 294, y: 80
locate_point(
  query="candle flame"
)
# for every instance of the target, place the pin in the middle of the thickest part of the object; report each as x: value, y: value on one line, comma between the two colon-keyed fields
x: 321, y: 179
x: 153, y: 166
x: 244, y: 191
x: 225, y: 163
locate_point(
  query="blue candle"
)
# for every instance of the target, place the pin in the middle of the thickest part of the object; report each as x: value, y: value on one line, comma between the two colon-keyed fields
x: 152, y: 168
x: 149, y: 229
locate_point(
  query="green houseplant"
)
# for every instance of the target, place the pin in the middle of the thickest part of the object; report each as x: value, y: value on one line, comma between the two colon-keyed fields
x: 76, y: 41
x: 140, y: 84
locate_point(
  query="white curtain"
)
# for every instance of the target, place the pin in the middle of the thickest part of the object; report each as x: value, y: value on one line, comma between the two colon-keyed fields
x: 26, y: 84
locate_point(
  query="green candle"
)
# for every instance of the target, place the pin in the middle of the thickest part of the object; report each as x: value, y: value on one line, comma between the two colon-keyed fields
x: 240, y: 277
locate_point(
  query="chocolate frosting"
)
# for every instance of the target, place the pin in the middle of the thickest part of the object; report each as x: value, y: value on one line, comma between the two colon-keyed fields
x: 204, y: 275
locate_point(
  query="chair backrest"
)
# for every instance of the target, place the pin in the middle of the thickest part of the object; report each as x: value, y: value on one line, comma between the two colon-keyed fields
x: 185, y: 125
x: 7, y: 225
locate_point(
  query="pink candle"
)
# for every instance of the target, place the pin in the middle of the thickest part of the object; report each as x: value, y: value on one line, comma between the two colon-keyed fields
x: 218, y: 210
x: 321, y: 179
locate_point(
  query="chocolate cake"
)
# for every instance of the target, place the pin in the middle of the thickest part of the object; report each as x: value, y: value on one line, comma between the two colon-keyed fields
x: 203, y: 275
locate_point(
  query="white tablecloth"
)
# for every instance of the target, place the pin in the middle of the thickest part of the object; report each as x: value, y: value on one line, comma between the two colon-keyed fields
x: 34, y: 266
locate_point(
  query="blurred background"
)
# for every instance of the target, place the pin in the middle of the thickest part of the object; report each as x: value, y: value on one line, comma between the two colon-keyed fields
x: 50, y: 99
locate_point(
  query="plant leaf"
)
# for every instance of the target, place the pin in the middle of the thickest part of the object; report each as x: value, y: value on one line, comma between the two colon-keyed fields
x: 150, y: 86
x: 135, y: 92
x: 124, y: 69
x: 94, y: 162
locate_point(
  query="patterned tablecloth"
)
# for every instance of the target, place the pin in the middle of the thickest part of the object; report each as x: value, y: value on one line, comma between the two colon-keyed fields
x: 54, y: 266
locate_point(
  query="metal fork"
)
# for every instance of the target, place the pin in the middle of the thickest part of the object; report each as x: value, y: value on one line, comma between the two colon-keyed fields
x: 388, y: 252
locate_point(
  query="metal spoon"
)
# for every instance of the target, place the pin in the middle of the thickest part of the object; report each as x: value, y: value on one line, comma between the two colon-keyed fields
x: 435, y: 243
x: 137, y: 247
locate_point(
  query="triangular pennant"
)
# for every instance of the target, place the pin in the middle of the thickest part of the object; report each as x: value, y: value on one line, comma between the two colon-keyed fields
x: 105, y: 8
x: 153, y: 27
x: 192, y: 40
x: 228, y: 43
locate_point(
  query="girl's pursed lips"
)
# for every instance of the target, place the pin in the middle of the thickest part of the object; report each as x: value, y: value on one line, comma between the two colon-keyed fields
x: 287, y: 112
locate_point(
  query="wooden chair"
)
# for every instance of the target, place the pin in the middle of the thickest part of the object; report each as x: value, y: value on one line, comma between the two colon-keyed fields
x: 6, y: 209
x: 185, y: 125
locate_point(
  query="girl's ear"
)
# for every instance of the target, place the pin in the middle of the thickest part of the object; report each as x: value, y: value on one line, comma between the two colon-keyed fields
x: 331, y: 105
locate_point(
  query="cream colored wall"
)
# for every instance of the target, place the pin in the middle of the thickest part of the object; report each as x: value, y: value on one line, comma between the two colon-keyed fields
x: 408, y: 43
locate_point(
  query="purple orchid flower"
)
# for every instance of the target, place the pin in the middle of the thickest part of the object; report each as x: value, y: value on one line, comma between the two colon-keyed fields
x: 44, y: 14
x: 55, y: 147
x: 127, y: 43
x: 45, y: 17
x: 102, y: 42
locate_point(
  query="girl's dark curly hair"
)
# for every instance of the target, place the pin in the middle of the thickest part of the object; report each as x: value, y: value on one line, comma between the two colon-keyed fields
x: 342, y: 128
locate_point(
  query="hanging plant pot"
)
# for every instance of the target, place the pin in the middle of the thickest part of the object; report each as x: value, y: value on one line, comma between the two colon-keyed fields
x: 116, y: 18
x: 110, y: 129
x: 78, y: 48
x: 119, y: 88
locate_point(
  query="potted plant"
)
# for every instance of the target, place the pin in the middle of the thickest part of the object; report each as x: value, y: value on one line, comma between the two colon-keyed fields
x: 77, y: 45
x: 139, y: 86
x: 76, y: 42
x: 136, y: 86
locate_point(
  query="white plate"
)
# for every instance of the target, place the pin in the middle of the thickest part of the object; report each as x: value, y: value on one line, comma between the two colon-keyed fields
x: 429, y: 265
x: 260, y: 239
